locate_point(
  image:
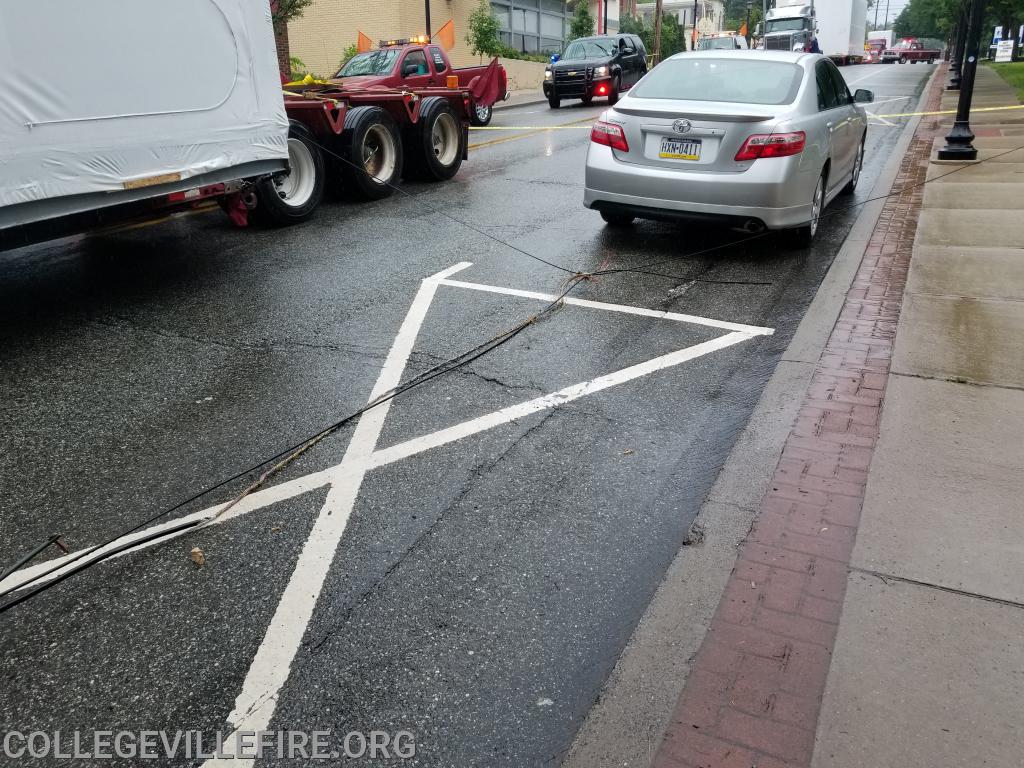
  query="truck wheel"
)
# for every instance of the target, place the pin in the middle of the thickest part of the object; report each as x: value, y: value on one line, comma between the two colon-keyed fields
x: 903, y: 59
x: 554, y: 102
x: 371, y: 153
x: 291, y: 196
x: 435, y: 145
x: 480, y: 115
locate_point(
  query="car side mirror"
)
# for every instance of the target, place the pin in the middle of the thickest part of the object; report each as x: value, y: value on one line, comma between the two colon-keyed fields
x: 863, y: 96
x: 410, y: 69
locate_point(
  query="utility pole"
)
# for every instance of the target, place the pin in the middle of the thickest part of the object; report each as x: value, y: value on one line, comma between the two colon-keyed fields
x: 657, y: 32
x: 876, y: 15
x: 958, y: 140
x: 693, y: 33
x: 426, y: 11
x: 886, y: 14
x: 606, y: 2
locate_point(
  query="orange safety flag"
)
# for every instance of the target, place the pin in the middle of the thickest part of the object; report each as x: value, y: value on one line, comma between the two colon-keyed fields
x: 363, y: 43
x: 445, y: 36
x: 743, y: 29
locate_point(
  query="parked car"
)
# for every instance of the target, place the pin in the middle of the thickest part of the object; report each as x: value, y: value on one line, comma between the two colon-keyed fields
x: 607, y: 65
x: 762, y: 141
x: 416, y: 63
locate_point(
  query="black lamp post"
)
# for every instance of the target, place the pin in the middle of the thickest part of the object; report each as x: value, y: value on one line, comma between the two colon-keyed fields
x: 426, y: 11
x: 958, y: 51
x: 959, y: 140
x: 749, y: 4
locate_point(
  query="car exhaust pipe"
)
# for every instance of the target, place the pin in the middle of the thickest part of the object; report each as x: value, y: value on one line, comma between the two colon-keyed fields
x: 751, y: 227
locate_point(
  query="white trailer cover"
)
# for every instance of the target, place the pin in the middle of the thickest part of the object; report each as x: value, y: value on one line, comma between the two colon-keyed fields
x: 841, y: 26
x: 107, y: 95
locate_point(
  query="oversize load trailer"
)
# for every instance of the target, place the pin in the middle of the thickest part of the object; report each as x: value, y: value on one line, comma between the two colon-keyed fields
x: 116, y: 110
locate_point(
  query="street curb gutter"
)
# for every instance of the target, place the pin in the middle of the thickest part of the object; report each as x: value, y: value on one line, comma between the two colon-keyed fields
x: 626, y: 724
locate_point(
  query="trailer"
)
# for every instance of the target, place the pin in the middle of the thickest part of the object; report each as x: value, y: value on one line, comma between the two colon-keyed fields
x: 841, y: 29
x: 134, y: 109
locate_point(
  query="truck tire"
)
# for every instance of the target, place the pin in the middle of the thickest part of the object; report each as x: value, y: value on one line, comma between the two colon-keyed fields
x: 292, y: 196
x: 903, y: 59
x: 613, y: 93
x: 480, y: 115
x: 436, y: 144
x: 370, y: 161
x: 554, y: 102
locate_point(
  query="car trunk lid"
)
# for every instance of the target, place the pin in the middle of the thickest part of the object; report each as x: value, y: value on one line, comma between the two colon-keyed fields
x: 690, y: 136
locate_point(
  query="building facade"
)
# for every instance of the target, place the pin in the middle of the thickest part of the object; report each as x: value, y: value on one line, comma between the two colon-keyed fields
x: 709, y: 15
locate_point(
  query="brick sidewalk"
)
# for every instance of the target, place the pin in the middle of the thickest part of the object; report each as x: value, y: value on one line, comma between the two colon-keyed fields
x: 754, y: 691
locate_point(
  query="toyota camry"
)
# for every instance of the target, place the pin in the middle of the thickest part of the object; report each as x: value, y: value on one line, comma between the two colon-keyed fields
x: 752, y: 139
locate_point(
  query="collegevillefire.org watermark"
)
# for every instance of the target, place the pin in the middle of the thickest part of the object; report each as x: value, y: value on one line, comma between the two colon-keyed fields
x: 191, y: 745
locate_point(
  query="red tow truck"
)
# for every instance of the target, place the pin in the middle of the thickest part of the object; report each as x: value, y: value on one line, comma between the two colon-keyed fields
x: 912, y: 50
x: 417, y: 62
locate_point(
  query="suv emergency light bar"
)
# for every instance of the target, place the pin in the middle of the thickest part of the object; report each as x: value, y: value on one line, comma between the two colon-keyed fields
x: 416, y: 40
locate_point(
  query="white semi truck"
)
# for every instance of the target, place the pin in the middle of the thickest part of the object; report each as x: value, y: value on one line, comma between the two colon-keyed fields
x: 839, y: 26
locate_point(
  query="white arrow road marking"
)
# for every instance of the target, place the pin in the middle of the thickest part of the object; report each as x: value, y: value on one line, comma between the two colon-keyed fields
x: 269, y: 671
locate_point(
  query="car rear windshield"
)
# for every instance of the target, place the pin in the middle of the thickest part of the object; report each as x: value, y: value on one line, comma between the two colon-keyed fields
x: 741, y: 81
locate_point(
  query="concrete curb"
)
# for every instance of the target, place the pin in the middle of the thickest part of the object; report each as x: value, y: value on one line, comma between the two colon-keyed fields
x: 626, y: 725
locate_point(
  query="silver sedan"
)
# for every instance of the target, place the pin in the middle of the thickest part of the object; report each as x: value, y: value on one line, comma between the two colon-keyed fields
x: 752, y: 139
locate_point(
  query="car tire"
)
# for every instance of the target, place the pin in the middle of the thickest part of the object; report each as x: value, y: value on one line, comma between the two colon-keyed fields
x: 436, y: 144
x: 617, y: 219
x: 480, y: 115
x: 858, y: 166
x: 554, y: 102
x: 804, y: 236
x: 613, y: 94
x: 371, y: 154
x: 292, y: 196
x: 587, y: 100
x: 903, y: 59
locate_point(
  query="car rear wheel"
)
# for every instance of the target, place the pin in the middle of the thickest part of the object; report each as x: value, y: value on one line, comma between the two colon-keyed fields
x: 371, y: 153
x: 435, y: 145
x: 804, y: 236
x: 616, y: 219
x: 291, y: 196
x: 481, y: 115
x: 554, y: 102
x: 858, y: 164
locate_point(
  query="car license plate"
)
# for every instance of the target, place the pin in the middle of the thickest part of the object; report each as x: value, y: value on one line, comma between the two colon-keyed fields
x: 680, y: 149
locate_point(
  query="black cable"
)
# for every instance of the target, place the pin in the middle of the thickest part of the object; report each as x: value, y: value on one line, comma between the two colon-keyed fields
x: 440, y: 369
x: 30, y: 556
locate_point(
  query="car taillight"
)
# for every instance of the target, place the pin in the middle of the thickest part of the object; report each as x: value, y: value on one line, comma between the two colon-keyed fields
x: 772, y: 145
x: 610, y: 135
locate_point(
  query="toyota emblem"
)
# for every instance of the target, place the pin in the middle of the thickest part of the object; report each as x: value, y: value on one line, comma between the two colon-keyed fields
x: 682, y: 126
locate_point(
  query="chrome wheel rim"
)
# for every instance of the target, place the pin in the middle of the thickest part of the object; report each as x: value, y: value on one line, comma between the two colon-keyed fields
x: 444, y: 139
x: 296, y: 186
x: 483, y: 114
x: 819, y: 194
x: 378, y: 153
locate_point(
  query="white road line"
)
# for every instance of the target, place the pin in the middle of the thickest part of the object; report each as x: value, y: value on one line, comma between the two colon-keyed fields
x: 482, y: 423
x: 382, y: 457
x: 269, y: 671
x: 656, y: 313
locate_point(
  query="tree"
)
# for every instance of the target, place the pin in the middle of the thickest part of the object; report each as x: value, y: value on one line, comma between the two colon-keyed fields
x: 483, y: 31
x: 582, y: 24
x: 283, y: 11
x: 673, y: 36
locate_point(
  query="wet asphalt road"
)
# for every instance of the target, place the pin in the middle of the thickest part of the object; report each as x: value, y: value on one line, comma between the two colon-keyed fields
x: 482, y: 589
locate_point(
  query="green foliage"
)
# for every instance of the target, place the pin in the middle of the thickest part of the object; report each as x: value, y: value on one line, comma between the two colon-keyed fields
x: 285, y: 10
x: 507, y: 52
x: 297, y: 68
x: 673, y: 36
x: 483, y: 31
x: 582, y: 23
x: 349, y: 52
x: 1013, y: 74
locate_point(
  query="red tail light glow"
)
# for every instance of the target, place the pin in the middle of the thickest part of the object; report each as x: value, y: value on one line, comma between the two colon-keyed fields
x: 772, y: 145
x: 602, y: 90
x: 610, y: 135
